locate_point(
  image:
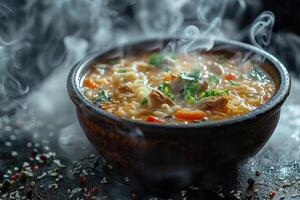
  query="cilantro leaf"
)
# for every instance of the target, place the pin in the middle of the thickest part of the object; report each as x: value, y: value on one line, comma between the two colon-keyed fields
x: 166, y: 89
x: 144, y: 101
x: 190, y: 92
x: 214, y: 92
x: 122, y: 70
x: 102, y: 96
x: 157, y: 59
x: 193, y: 76
x: 213, y: 79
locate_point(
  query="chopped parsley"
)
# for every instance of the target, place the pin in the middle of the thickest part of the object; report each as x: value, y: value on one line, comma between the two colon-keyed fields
x: 122, y: 70
x: 144, y: 101
x: 232, y: 83
x: 157, y: 59
x: 190, y: 92
x: 213, y: 79
x: 102, y: 96
x: 191, y: 88
x: 166, y: 89
x: 214, y: 92
x: 193, y: 76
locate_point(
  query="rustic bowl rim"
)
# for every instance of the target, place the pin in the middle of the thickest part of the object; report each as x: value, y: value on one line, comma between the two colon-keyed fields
x: 276, y: 101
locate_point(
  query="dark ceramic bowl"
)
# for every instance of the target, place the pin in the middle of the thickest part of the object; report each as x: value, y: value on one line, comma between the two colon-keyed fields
x: 155, y: 151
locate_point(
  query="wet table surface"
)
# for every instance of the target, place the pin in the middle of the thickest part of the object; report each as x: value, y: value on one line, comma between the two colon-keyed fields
x: 45, y: 155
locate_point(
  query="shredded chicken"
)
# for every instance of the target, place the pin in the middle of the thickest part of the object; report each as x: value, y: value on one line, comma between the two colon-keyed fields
x: 157, y: 98
x: 124, y: 89
x: 213, y: 103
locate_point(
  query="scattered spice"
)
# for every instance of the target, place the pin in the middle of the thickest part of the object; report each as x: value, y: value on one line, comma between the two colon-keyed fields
x: 257, y: 173
x: 93, y: 189
x: 272, y: 194
x: 134, y: 196
x: 83, y: 180
x: 15, y: 176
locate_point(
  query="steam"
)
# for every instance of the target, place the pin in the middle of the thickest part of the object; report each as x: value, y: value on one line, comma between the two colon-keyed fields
x: 37, y: 43
x: 261, y: 30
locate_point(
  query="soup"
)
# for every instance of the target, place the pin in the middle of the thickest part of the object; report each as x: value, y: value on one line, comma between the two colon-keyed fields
x: 163, y: 87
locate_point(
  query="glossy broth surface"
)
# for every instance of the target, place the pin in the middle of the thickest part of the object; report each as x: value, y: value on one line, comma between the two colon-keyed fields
x: 173, y: 88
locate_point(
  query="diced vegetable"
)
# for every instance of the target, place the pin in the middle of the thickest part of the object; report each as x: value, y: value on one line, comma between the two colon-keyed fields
x: 191, y: 87
x: 144, y: 101
x: 190, y: 92
x: 151, y: 118
x: 229, y: 77
x: 194, y: 77
x: 189, y: 115
x: 156, y: 59
x: 166, y: 89
x: 102, y: 96
x: 232, y: 83
x: 122, y: 70
x: 213, y: 79
x: 209, y: 93
x: 168, y: 77
x: 89, y: 83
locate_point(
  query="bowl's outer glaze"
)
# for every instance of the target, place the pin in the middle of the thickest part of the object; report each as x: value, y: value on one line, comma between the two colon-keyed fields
x: 209, y: 148
x: 142, y: 148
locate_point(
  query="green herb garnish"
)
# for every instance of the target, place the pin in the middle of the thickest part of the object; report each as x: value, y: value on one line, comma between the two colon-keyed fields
x: 193, y: 77
x: 213, y: 79
x: 166, y: 89
x: 232, y: 83
x: 144, y: 101
x: 102, y: 96
x: 213, y: 92
x: 157, y: 59
x: 190, y: 92
x: 122, y: 70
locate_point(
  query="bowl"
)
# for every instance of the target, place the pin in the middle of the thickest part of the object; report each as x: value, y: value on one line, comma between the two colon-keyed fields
x: 160, y: 151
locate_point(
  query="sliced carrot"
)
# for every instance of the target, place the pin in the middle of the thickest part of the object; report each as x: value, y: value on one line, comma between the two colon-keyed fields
x: 190, y: 115
x: 168, y: 77
x: 151, y: 118
x: 230, y: 77
x: 90, y: 83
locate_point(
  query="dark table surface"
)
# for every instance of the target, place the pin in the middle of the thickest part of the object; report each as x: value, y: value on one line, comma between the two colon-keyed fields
x: 43, y: 139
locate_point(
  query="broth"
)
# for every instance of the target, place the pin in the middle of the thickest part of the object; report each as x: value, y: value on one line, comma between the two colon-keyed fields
x: 178, y: 88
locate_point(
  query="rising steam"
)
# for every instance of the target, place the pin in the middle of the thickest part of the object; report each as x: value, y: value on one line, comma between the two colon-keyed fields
x: 36, y: 36
x: 261, y: 30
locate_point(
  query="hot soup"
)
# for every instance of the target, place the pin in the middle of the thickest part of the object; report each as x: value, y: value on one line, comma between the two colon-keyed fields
x: 163, y: 87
